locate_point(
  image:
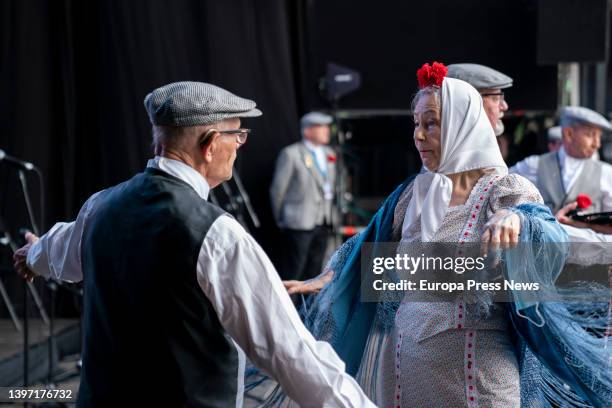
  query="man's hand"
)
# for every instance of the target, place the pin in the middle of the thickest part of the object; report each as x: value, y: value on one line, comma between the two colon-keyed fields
x: 308, y: 287
x: 502, y: 230
x: 21, y: 255
x: 562, y: 217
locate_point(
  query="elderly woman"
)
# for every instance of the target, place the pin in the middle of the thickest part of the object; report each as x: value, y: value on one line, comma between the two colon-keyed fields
x: 446, y: 354
x: 443, y: 354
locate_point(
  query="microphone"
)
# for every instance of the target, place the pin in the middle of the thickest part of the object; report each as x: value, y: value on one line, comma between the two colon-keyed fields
x: 15, y: 162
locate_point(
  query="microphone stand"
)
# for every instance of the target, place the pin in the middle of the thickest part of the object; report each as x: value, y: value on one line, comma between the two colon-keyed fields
x: 244, y: 198
x: 235, y: 201
x: 13, y: 245
x: 51, y: 283
x: 6, y: 240
x: 33, y: 291
x: 233, y: 205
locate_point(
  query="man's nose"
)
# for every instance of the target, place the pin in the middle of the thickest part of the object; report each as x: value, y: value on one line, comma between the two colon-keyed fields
x: 597, y: 142
x: 504, y: 105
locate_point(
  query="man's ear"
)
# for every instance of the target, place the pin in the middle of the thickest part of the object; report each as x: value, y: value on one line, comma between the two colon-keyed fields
x: 209, y: 148
x: 568, y: 133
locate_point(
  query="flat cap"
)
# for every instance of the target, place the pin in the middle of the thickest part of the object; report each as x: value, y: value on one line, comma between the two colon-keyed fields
x: 195, y: 103
x: 554, y: 133
x: 315, y: 119
x: 479, y: 76
x: 571, y: 114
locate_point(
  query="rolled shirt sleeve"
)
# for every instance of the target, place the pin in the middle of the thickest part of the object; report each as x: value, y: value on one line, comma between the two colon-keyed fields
x: 527, y: 168
x: 588, y: 247
x: 57, y: 254
x: 255, y: 309
x: 606, y: 186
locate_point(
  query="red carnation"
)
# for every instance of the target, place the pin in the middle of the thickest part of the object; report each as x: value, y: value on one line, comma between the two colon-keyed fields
x: 331, y: 158
x: 584, y: 201
x: 433, y: 74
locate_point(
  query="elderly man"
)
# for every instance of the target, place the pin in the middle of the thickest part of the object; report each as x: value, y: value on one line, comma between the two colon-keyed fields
x: 301, y: 194
x: 175, y: 288
x: 561, y: 176
x: 489, y: 83
x: 555, y: 138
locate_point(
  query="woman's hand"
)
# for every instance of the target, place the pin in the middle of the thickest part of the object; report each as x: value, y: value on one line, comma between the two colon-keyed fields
x: 310, y: 286
x: 502, y: 230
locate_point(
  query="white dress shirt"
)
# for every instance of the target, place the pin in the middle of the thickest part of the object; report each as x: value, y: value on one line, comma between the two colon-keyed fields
x: 249, y: 298
x: 320, y: 156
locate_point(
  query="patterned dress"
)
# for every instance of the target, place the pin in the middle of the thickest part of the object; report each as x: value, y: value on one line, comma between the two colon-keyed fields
x: 441, y: 354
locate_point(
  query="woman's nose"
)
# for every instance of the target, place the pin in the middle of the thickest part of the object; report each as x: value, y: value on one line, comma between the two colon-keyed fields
x: 418, y: 134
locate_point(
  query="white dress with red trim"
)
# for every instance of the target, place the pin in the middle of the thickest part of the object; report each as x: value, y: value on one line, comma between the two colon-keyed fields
x: 441, y: 354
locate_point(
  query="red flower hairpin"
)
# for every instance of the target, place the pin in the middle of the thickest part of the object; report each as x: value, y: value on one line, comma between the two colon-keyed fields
x: 429, y: 75
x: 584, y: 201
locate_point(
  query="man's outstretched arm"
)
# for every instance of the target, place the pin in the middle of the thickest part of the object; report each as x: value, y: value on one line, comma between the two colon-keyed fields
x: 57, y: 254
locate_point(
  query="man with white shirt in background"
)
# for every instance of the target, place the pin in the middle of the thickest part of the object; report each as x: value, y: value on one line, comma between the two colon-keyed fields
x: 555, y: 138
x: 301, y: 194
x: 562, y: 175
x: 174, y: 288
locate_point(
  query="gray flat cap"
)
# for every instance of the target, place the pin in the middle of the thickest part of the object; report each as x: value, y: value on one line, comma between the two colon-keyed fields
x: 315, y: 119
x: 554, y: 133
x: 479, y: 76
x: 571, y: 114
x: 195, y: 103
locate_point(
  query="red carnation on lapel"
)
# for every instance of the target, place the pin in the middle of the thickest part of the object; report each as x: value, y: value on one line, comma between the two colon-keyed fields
x: 584, y: 201
x: 331, y: 158
x: 433, y: 74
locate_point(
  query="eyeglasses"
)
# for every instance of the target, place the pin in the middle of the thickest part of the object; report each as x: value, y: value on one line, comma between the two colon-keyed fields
x: 241, y: 134
x: 499, y: 94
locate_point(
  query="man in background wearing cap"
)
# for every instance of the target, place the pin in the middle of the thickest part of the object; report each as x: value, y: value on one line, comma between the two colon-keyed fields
x: 561, y: 176
x: 301, y: 194
x: 174, y: 288
x: 489, y: 83
x: 555, y: 138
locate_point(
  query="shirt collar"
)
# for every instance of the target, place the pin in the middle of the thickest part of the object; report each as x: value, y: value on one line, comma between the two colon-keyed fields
x: 566, y: 159
x: 182, y: 171
x: 311, y: 146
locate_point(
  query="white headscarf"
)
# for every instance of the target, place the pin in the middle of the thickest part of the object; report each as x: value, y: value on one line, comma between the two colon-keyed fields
x: 467, y: 142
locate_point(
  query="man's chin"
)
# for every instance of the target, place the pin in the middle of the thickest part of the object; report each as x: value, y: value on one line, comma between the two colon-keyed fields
x: 499, y: 128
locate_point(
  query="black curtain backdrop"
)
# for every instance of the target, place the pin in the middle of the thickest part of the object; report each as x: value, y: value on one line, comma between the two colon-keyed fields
x: 74, y: 75
x: 388, y: 40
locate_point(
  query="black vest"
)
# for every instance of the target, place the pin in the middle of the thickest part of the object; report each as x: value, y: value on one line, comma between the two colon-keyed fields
x: 151, y: 337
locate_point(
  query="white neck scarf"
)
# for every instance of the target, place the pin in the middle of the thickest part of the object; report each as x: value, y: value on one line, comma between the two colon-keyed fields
x: 467, y: 142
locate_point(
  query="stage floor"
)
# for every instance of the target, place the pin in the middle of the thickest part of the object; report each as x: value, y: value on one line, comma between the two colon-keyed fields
x: 11, y: 341
x: 66, y: 372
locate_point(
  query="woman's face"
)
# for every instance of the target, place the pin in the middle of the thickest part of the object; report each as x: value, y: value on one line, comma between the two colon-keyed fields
x: 427, y: 131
